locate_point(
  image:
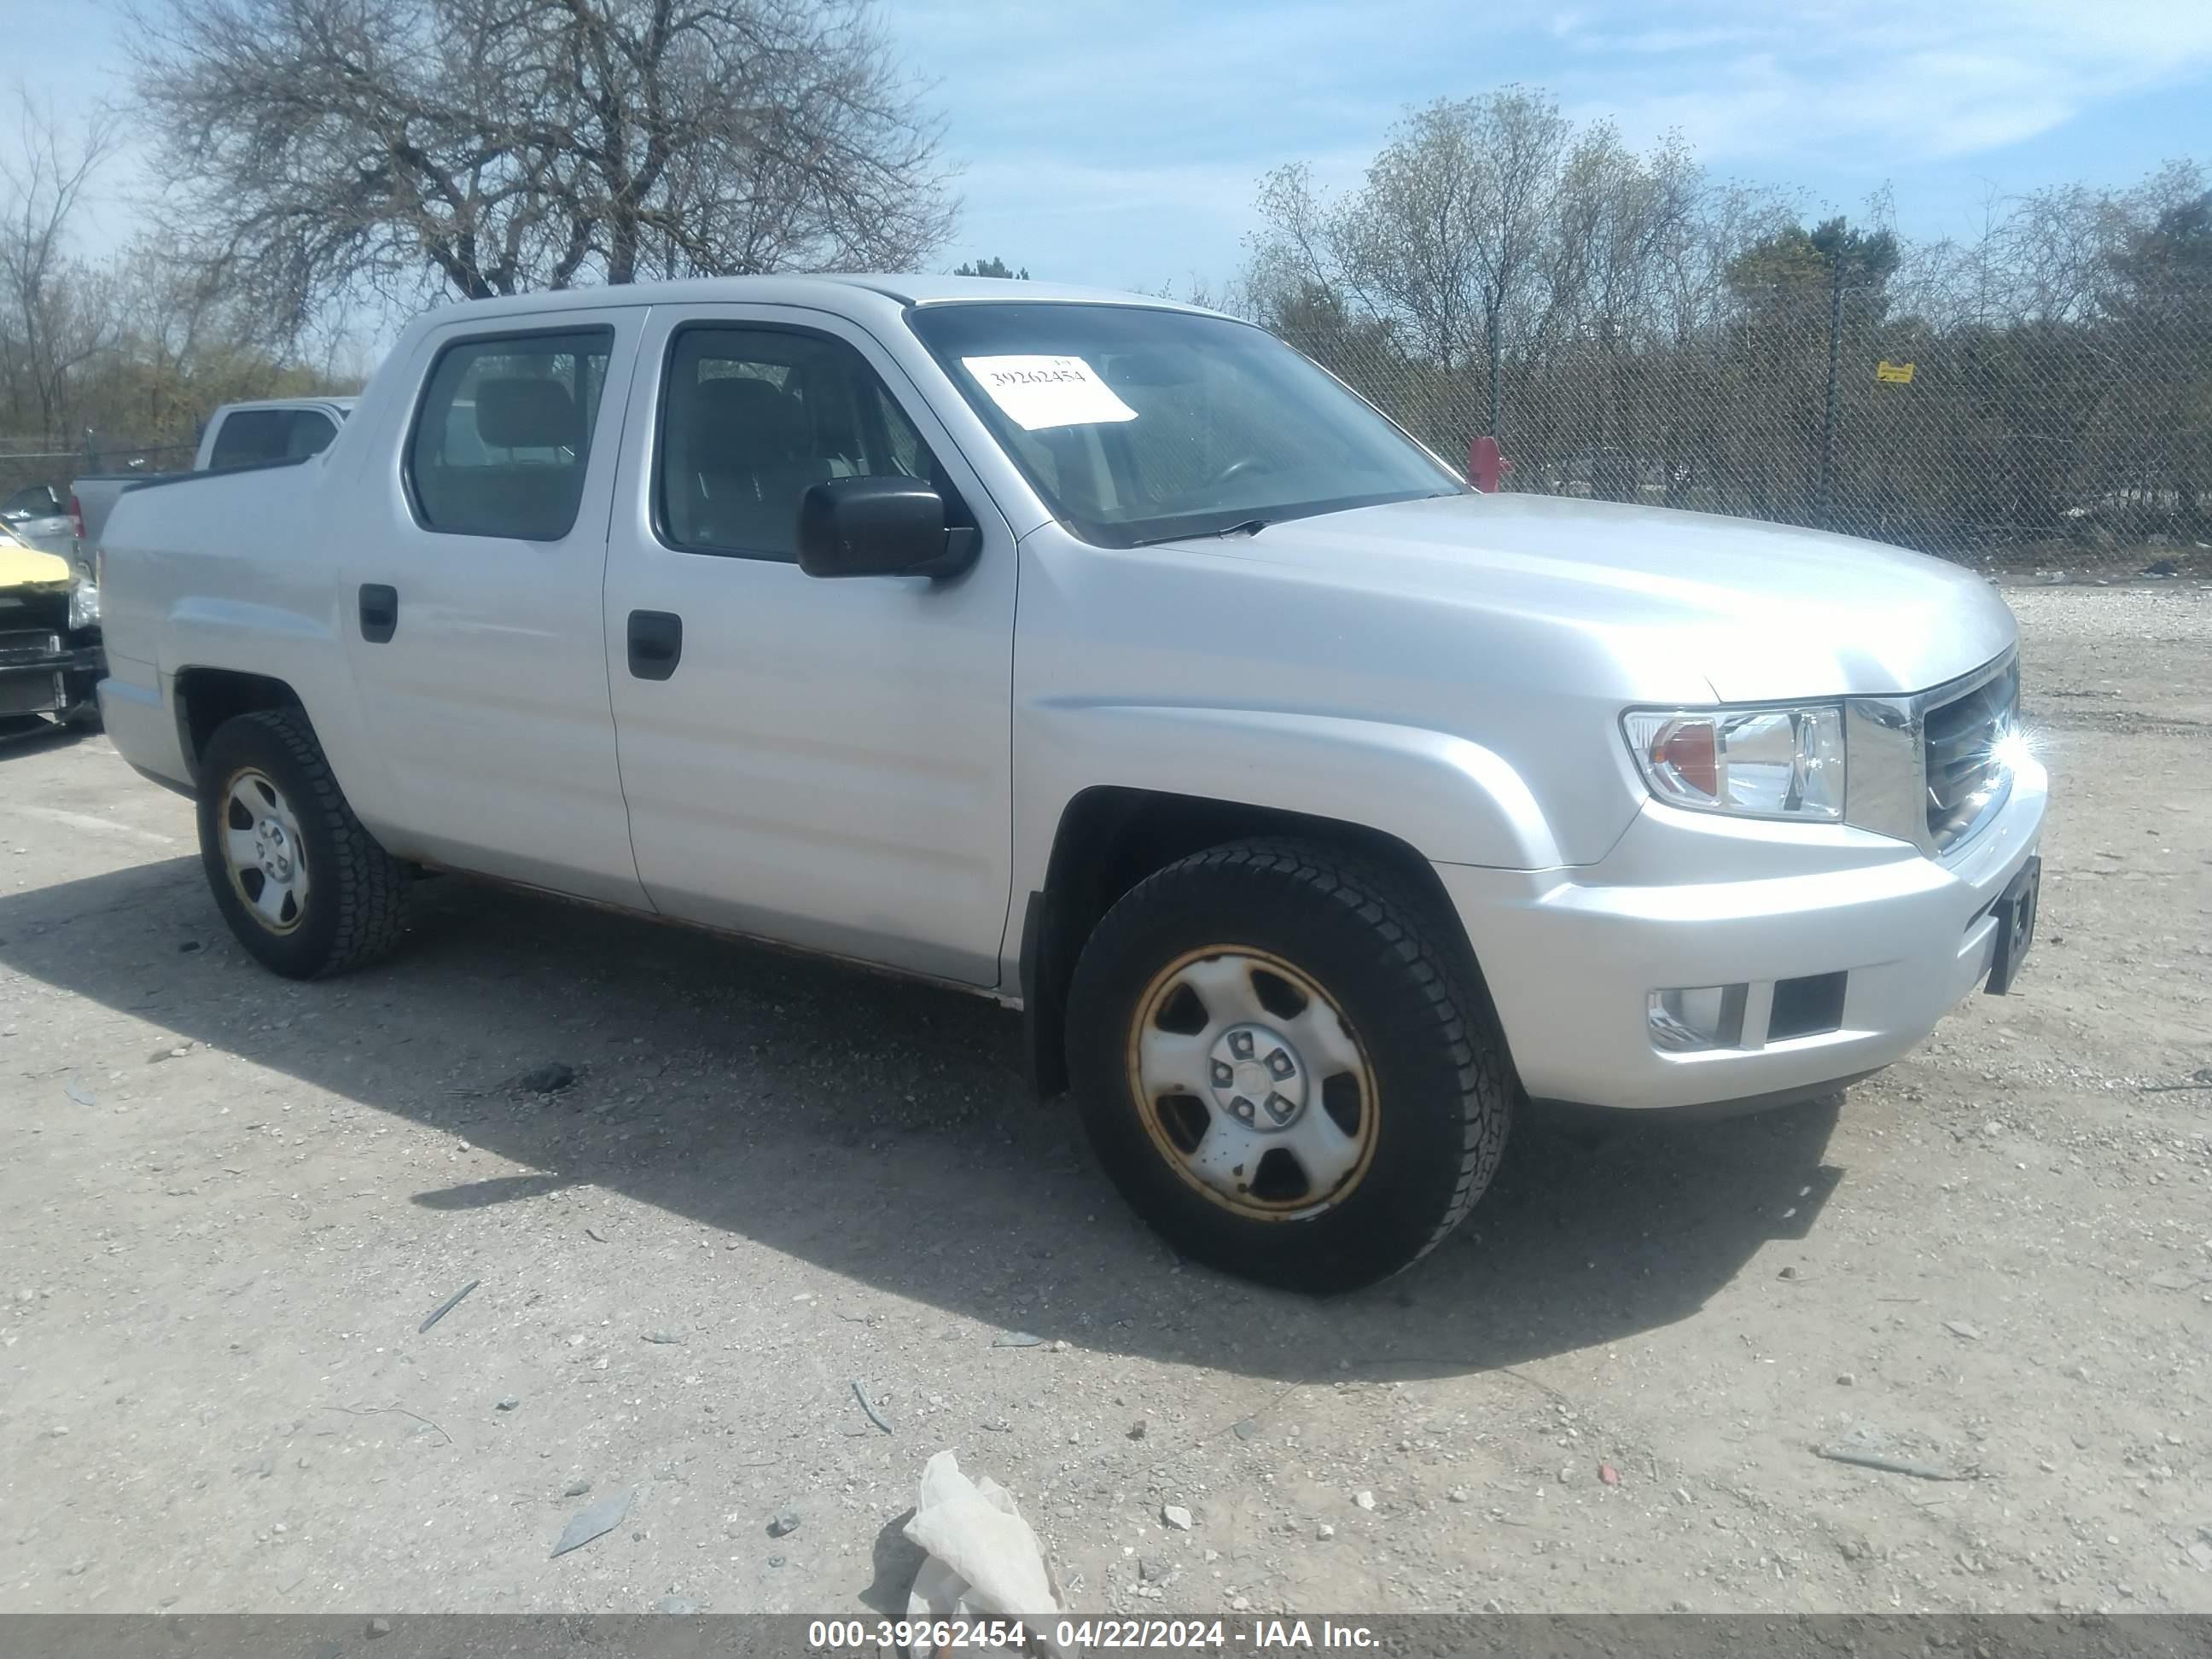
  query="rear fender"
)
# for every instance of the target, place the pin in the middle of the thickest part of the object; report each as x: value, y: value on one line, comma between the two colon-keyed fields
x: 298, y: 647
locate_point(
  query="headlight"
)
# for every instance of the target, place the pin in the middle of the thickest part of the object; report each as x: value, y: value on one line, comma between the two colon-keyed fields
x: 83, y: 604
x: 1754, y: 763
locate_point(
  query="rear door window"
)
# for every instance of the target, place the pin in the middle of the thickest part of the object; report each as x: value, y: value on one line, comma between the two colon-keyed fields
x: 37, y: 501
x: 251, y: 437
x: 503, y: 434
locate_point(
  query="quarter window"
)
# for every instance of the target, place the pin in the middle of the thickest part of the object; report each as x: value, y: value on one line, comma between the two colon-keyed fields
x: 504, y: 433
x: 752, y: 417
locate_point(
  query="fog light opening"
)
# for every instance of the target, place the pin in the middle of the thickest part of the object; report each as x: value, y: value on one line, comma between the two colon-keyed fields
x: 1688, y: 1018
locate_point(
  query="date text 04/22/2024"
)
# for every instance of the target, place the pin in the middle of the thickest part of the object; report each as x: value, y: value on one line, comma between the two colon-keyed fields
x: 1104, y: 1635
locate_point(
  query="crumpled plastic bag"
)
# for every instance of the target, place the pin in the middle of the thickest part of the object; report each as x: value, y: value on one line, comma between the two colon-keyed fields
x: 984, y: 1561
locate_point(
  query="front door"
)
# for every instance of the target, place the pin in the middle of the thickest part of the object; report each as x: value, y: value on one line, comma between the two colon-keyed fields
x: 470, y: 602
x: 823, y: 762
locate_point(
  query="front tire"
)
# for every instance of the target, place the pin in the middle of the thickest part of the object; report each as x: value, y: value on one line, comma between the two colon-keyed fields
x: 1285, y: 1067
x: 304, y: 888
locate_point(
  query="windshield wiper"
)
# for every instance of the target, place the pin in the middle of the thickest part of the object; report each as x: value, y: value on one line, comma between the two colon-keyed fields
x: 1242, y: 527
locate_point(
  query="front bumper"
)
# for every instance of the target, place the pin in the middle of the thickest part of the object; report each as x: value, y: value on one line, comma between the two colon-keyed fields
x: 47, y: 671
x: 1572, y: 957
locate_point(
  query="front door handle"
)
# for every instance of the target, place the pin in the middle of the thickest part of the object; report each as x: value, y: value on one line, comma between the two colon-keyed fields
x: 656, y: 643
x: 380, y: 612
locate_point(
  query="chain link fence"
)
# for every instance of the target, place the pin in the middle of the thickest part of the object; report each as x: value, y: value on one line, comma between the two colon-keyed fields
x: 2036, y: 442
x: 26, y: 462
x: 2024, y: 443
x: 29, y: 461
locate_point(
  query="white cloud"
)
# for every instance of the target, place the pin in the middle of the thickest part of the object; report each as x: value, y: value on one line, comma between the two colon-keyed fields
x: 1896, y: 81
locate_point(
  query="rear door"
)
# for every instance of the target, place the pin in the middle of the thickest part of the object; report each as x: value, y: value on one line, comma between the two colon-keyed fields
x: 821, y: 762
x: 469, y: 601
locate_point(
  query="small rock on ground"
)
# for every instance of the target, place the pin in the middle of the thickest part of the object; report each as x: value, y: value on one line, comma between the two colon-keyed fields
x: 593, y: 1521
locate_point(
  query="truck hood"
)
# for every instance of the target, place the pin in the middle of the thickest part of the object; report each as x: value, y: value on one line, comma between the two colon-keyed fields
x: 28, y: 570
x: 1756, y: 611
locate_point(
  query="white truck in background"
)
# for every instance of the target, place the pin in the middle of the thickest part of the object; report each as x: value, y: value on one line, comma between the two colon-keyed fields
x: 235, y: 436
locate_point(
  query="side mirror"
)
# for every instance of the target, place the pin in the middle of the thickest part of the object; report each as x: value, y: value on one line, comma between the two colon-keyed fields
x: 880, y: 527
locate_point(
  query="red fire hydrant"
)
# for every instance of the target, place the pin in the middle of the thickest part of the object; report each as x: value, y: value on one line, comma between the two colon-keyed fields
x: 1486, y: 464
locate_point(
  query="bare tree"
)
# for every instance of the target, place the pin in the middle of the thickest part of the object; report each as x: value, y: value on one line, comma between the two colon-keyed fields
x: 1492, y: 222
x: 1447, y: 229
x: 326, y: 150
x: 59, y: 311
x: 1492, y: 241
x: 123, y: 354
x: 1633, y: 329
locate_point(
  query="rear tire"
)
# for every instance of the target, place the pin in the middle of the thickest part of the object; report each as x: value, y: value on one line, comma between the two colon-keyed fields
x: 304, y: 889
x: 1290, y: 1071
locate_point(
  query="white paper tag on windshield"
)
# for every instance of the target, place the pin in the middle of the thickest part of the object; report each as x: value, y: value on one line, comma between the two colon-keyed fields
x: 1042, y: 392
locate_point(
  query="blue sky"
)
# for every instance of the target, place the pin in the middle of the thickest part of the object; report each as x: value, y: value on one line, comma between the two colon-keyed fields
x: 1120, y: 143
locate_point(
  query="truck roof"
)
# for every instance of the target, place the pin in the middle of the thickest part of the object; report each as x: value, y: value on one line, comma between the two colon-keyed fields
x: 310, y: 400
x: 898, y: 290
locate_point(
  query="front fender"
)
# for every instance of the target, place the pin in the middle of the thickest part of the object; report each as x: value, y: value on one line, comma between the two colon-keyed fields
x: 1451, y: 800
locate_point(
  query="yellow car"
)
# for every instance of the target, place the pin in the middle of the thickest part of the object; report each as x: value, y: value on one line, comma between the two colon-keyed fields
x: 50, y: 660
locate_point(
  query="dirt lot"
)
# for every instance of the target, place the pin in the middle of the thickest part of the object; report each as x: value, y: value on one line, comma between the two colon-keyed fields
x: 230, y: 1202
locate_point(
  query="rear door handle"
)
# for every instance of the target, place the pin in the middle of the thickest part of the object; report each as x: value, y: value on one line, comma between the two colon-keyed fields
x: 380, y: 612
x: 656, y: 643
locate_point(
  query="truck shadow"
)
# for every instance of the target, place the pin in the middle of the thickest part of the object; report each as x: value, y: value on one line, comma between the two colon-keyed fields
x: 29, y: 734
x: 881, y: 1130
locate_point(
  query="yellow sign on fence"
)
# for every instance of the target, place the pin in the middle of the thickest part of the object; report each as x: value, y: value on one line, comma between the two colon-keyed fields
x: 1896, y: 374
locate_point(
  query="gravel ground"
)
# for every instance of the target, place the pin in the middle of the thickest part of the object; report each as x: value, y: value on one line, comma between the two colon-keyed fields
x: 231, y: 1202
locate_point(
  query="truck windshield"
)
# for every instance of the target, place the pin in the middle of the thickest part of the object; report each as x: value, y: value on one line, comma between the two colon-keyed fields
x: 1141, y: 425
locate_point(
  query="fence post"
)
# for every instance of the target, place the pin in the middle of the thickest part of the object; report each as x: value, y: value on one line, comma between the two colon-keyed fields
x: 1821, y: 514
x: 1492, y: 332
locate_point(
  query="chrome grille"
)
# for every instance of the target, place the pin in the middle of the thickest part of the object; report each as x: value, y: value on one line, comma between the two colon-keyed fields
x: 1958, y: 742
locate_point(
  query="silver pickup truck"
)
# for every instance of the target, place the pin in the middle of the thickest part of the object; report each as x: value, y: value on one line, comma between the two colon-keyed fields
x: 1105, y: 657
